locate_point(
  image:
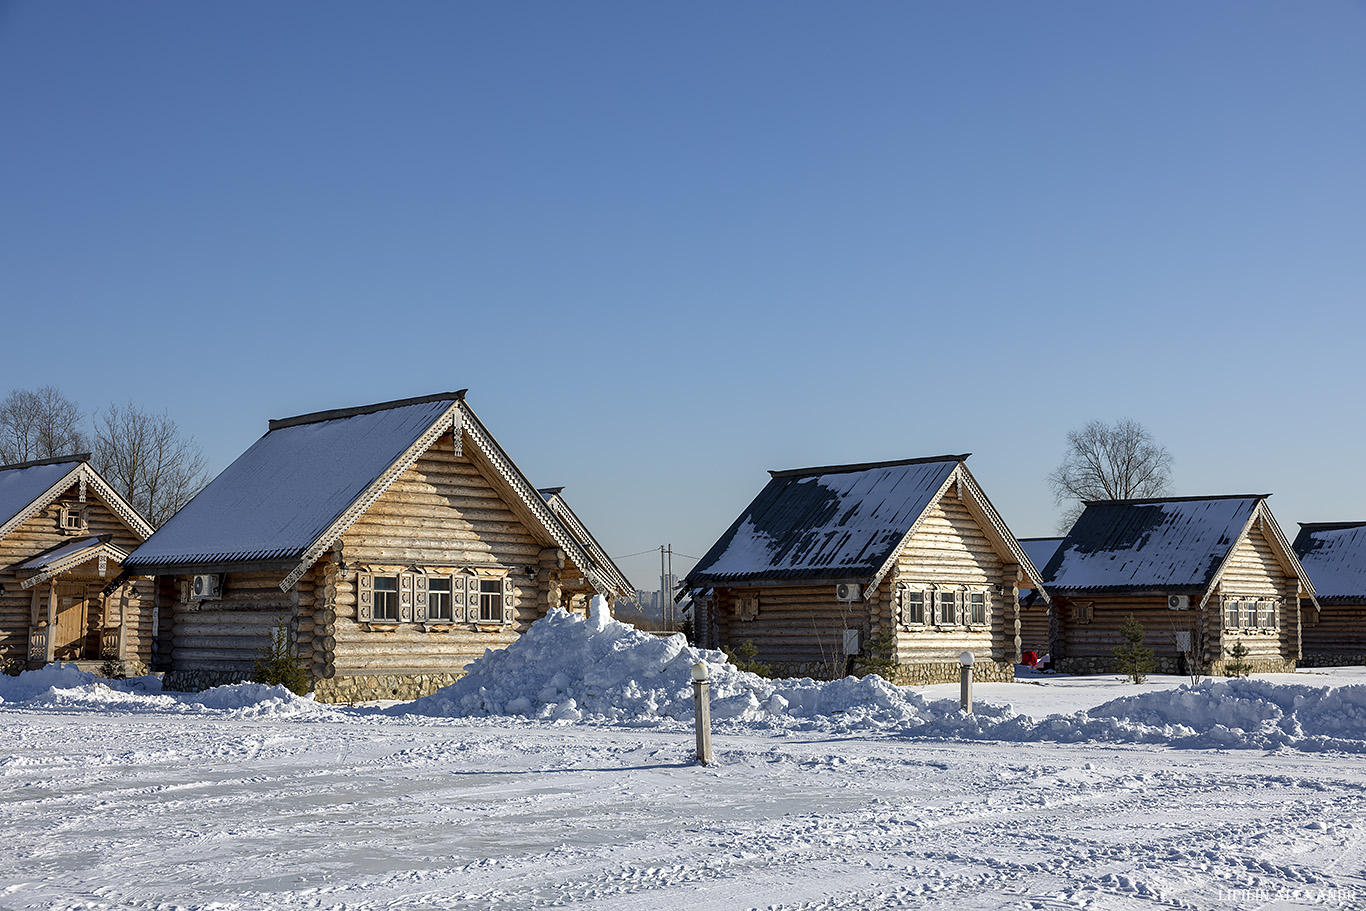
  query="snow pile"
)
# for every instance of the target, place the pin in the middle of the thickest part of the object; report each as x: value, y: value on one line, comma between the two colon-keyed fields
x: 64, y: 685
x: 1242, y: 713
x: 37, y: 685
x: 255, y: 700
x: 570, y: 668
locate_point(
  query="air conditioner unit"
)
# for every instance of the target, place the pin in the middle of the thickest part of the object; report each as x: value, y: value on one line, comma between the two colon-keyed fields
x: 1178, y: 602
x: 205, y: 586
x: 847, y: 591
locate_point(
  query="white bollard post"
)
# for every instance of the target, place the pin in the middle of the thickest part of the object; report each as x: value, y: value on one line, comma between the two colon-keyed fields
x: 966, y: 660
x: 701, y: 704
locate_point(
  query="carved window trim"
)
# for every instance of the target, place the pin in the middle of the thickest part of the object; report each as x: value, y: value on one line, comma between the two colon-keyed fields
x: 747, y: 606
x: 475, y: 595
x: 73, y: 519
x: 914, y: 599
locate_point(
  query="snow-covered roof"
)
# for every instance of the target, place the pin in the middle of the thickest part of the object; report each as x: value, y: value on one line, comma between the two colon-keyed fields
x: 61, y: 551
x: 1175, y: 544
x: 1040, y: 550
x: 293, y: 494
x: 1334, y: 556
x: 21, y: 485
x: 839, y: 522
x: 284, y: 492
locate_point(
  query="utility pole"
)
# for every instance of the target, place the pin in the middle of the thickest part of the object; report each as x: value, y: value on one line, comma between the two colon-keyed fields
x: 666, y: 575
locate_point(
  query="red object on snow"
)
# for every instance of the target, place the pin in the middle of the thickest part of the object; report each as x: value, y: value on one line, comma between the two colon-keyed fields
x: 1030, y: 659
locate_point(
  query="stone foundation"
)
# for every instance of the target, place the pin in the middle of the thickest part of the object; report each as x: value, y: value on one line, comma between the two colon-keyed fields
x: 1168, y: 665
x: 196, y: 681
x: 374, y: 687
x: 1333, y: 661
x: 921, y: 673
x: 926, y: 673
x: 1258, y: 665
x: 361, y: 688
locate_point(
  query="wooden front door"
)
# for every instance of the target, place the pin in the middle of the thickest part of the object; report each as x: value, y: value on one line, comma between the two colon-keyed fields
x: 72, y: 623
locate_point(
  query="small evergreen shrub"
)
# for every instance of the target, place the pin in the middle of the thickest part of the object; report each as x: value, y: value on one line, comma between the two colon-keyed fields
x: 278, y: 665
x: 1237, y: 665
x: 879, y: 660
x: 1135, y: 659
x: 743, y: 658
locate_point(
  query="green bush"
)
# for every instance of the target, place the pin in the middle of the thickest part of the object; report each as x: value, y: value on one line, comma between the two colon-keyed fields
x: 278, y: 665
x: 743, y: 658
x: 1135, y: 659
x: 1238, y: 666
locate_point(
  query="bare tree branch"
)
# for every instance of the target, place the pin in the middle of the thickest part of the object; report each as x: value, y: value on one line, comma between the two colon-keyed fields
x: 39, y: 424
x: 1108, y: 462
x: 147, y: 460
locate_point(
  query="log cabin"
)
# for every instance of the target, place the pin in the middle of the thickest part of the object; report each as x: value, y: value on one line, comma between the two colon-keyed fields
x: 906, y: 564
x: 1034, y: 613
x: 64, y: 536
x: 1334, y: 556
x: 1199, y: 573
x: 393, y: 543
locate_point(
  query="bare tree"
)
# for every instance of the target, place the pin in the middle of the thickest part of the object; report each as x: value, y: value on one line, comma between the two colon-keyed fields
x: 39, y: 424
x: 1109, y: 462
x: 147, y: 460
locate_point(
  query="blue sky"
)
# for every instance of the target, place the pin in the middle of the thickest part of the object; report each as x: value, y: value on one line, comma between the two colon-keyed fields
x: 669, y: 247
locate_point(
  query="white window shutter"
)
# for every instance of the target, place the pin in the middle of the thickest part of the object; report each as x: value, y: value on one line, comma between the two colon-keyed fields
x: 509, y: 599
x: 405, y: 597
x: 365, y: 597
x: 460, y: 599
x: 419, y: 597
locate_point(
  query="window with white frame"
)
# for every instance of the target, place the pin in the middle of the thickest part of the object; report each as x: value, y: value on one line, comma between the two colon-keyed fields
x: 946, y: 607
x: 73, y: 519
x: 490, y: 601
x: 1232, y: 613
x: 385, y: 599
x: 1266, y: 614
x: 977, y: 602
x: 439, y: 602
x: 913, y: 606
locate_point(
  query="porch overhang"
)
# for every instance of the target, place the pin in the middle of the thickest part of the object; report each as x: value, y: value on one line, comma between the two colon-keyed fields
x: 67, y: 556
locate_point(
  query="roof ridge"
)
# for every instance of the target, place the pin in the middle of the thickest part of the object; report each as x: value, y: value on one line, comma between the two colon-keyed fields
x: 55, y: 460
x: 338, y: 413
x: 1329, y: 526
x: 1148, y: 500
x: 864, y: 466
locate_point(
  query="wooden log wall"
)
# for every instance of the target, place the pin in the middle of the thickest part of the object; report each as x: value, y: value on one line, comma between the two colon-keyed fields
x: 35, y: 535
x: 1098, y: 637
x: 1253, y: 573
x: 795, y: 625
x: 228, y: 634
x: 133, y: 599
x: 1339, y: 631
x: 442, y: 515
x: 1034, y: 634
x: 950, y: 549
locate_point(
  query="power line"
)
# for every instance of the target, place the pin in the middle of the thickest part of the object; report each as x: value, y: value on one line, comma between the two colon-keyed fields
x: 641, y: 554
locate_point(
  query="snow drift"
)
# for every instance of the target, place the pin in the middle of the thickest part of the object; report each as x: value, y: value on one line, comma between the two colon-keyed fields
x: 63, y: 685
x: 567, y: 668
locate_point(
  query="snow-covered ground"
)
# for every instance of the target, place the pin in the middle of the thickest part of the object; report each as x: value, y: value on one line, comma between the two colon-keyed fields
x: 560, y: 774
